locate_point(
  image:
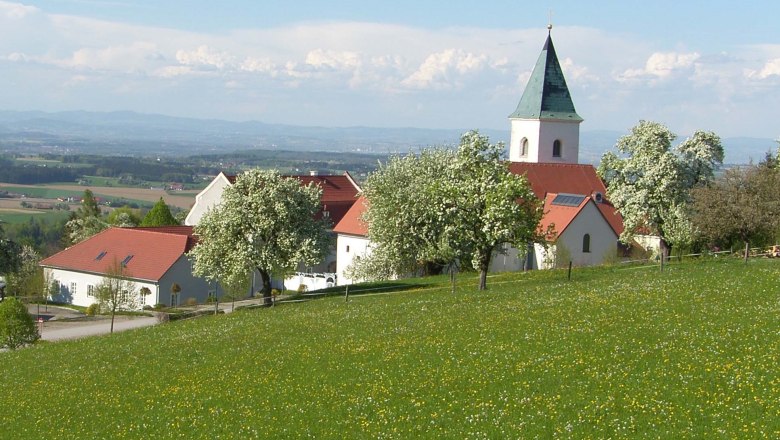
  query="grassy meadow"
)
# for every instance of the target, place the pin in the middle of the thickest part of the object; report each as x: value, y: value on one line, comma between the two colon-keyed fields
x: 620, y: 352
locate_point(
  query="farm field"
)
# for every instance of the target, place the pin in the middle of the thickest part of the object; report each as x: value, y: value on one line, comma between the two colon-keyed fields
x: 183, y: 200
x: 618, y: 352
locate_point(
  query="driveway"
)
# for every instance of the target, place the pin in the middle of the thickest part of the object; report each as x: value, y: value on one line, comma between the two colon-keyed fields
x: 55, y: 323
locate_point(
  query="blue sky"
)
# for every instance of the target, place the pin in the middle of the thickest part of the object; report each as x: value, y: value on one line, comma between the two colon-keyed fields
x: 711, y: 65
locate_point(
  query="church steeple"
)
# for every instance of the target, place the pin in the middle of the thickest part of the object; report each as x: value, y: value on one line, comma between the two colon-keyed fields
x: 545, y: 125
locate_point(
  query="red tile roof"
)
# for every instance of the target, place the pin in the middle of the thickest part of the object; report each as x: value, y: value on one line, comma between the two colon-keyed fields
x: 560, y: 216
x: 546, y: 178
x: 153, y: 250
x: 339, y: 192
x: 351, y: 222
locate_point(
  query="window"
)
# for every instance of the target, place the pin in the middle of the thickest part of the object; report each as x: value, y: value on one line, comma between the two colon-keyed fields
x: 347, y: 248
x: 126, y: 260
x: 586, y: 243
x: 524, y: 147
x: 73, y: 288
x: 90, y: 290
x: 557, y: 148
x: 174, y: 299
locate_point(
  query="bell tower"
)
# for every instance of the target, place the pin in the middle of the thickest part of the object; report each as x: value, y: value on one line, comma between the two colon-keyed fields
x: 545, y: 125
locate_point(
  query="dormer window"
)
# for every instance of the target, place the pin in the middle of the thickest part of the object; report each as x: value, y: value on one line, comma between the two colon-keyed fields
x: 524, y: 147
x: 557, y: 148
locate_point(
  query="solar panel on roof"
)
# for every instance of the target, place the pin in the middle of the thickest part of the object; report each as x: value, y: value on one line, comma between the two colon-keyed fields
x: 568, y: 199
x: 100, y: 256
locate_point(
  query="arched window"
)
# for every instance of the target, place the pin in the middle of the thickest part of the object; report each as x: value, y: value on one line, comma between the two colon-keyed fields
x: 524, y: 147
x: 586, y: 243
x: 557, y: 148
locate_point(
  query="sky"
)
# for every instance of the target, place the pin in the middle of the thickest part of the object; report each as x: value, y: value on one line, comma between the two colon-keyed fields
x: 709, y: 65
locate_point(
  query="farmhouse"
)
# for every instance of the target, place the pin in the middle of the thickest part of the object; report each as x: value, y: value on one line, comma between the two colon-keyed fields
x: 152, y: 257
x: 339, y: 193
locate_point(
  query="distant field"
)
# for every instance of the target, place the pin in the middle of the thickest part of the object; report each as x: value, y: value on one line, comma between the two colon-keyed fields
x: 24, y: 215
x: 182, y: 199
x: 620, y: 352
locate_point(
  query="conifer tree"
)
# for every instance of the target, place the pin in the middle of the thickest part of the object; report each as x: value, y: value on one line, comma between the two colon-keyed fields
x: 159, y: 215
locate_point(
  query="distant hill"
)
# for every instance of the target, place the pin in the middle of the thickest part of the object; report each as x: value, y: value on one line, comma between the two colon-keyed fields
x: 147, y: 134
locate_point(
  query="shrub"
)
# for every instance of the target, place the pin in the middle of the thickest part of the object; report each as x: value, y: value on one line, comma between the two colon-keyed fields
x: 191, y: 302
x: 276, y: 292
x: 17, y: 327
x: 159, y: 306
x: 93, y: 309
x: 302, y: 288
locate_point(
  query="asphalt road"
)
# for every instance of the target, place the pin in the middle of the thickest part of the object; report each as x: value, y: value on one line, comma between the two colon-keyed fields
x: 57, y: 323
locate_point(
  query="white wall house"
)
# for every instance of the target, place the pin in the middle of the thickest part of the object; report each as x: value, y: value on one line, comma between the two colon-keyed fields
x: 352, y: 241
x: 207, y: 199
x: 339, y: 193
x: 149, y: 257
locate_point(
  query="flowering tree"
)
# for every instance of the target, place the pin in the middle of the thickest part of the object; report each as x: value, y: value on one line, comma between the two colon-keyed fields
x: 86, y: 222
x: 265, y: 222
x: 445, y: 206
x: 650, y: 182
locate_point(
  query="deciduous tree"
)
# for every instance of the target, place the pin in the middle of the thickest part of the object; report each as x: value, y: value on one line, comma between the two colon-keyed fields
x: 86, y: 222
x: 649, y: 182
x: 444, y: 205
x: 10, y: 255
x: 116, y: 292
x: 742, y: 206
x: 265, y: 222
x: 17, y: 327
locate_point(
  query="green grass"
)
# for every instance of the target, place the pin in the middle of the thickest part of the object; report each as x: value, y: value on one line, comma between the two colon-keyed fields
x: 615, y: 353
x: 22, y: 217
x: 42, y: 192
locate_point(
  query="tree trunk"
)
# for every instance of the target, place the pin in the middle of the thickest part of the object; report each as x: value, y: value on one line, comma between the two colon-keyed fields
x: 484, y: 264
x: 266, y: 279
x: 113, y: 312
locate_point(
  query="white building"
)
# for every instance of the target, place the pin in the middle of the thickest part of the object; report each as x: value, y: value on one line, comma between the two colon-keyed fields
x: 339, y: 193
x: 352, y: 241
x: 544, y: 147
x: 154, y: 258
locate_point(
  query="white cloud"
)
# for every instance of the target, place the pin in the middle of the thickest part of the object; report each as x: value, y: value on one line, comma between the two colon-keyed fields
x: 205, y: 57
x: 261, y: 65
x: 337, y: 60
x: 16, y: 11
x: 117, y: 58
x: 662, y: 65
x: 771, y: 68
x: 441, y: 70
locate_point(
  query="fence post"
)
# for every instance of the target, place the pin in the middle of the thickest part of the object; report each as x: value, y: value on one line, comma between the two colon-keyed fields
x: 452, y: 278
x: 569, y: 270
x: 346, y: 294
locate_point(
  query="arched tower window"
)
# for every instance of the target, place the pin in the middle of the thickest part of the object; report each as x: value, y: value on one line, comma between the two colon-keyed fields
x: 557, y: 148
x: 524, y: 147
x: 586, y: 243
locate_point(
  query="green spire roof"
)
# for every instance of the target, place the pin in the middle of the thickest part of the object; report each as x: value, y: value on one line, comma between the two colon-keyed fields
x: 546, y: 96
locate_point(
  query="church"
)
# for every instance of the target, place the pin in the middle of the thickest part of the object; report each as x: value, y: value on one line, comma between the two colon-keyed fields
x: 544, y: 147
